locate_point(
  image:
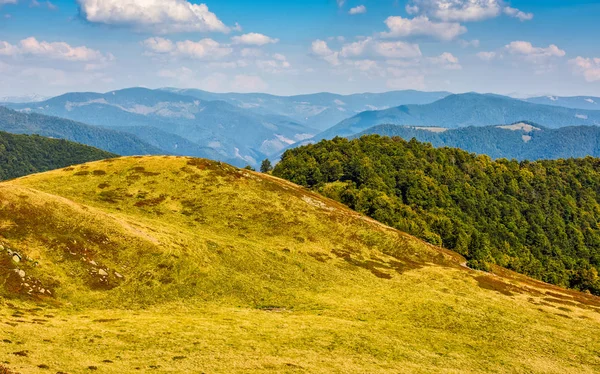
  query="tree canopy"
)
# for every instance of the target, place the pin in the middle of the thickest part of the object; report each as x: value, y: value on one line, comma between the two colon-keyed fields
x: 538, y: 218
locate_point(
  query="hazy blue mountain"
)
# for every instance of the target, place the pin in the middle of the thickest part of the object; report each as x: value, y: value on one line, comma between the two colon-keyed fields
x: 575, y: 102
x: 22, y: 99
x: 232, y: 132
x: 320, y: 110
x: 521, y: 141
x: 464, y: 110
x: 109, y: 140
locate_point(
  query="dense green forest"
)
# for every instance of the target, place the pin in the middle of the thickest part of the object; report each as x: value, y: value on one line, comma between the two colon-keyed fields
x: 26, y: 154
x: 538, y: 218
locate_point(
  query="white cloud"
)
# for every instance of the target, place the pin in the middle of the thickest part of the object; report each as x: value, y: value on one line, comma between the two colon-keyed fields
x: 464, y: 10
x: 361, y: 9
x: 31, y: 47
x: 365, y: 50
x: 533, y: 54
x: 341, y: 3
x: 4, y: 2
x: 253, y: 39
x: 446, y: 61
x: 162, y: 16
x: 321, y: 49
x: 422, y: 26
x: 397, y: 50
x: 487, y: 56
x: 589, y: 68
x: 204, y: 49
x: 159, y: 45
x: 277, y: 64
x: 516, y: 13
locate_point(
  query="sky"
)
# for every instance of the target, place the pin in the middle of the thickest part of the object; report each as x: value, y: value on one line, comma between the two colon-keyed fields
x: 520, y: 47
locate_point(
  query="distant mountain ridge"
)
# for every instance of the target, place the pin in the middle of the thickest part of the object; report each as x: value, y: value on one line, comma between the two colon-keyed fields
x: 319, y: 110
x: 234, y: 134
x: 109, y: 140
x: 575, y: 102
x: 521, y: 141
x: 464, y: 110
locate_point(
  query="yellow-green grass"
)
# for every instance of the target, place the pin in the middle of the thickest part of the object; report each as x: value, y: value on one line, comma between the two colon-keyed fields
x: 214, y: 269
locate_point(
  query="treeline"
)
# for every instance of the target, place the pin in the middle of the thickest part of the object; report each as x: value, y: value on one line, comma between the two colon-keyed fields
x: 537, y: 218
x: 26, y: 154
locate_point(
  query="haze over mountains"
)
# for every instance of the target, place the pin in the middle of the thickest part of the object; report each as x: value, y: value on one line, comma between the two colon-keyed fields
x: 464, y: 110
x: 521, y: 141
x: 245, y: 128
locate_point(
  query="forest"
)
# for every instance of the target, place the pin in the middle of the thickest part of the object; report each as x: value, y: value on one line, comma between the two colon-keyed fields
x: 26, y: 154
x: 537, y: 218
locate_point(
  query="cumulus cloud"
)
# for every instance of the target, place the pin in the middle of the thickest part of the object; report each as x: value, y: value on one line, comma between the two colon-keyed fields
x: 464, y: 10
x: 589, y: 68
x: 254, y: 39
x: 397, y: 50
x: 278, y: 63
x: 161, y: 16
x: 361, y: 9
x: 320, y: 49
x: 31, y: 47
x: 516, y: 13
x: 400, y: 27
x: 487, y: 56
x: 446, y: 61
x: 365, y: 50
x: 533, y: 54
x: 204, y: 49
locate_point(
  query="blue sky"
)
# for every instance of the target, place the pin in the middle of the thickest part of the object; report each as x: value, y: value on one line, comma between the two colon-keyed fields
x: 288, y: 47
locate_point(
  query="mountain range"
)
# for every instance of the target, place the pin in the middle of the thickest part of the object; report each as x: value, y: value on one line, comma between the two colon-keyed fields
x: 321, y: 110
x: 113, y: 141
x: 576, y: 102
x: 234, y: 134
x: 464, y: 110
x: 521, y: 141
x: 243, y: 129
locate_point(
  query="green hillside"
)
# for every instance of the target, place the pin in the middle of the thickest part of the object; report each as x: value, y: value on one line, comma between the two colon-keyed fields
x: 23, y: 154
x: 180, y: 265
x: 109, y: 140
x: 537, y: 218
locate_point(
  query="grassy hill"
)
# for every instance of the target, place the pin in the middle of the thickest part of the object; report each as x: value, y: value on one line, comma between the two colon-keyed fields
x: 24, y: 154
x: 173, y: 264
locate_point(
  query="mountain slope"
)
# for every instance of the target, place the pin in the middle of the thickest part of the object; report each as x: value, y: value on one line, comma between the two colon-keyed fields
x: 521, y: 141
x: 575, y: 102
x: 23, y: 154
x: 321, y: 110
x: 184, y: 265
x: 232, y: 132
x: 538, y: 218
x: 109, y: 140
x: 465, y: 110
